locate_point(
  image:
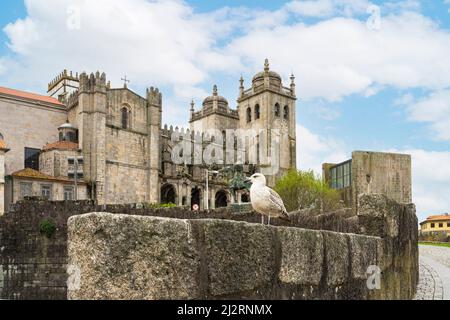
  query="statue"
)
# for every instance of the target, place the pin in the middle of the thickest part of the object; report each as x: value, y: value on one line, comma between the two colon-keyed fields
x: 239, y: 179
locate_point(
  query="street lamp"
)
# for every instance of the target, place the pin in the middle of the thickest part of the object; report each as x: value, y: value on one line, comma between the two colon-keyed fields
x: 207, y: 186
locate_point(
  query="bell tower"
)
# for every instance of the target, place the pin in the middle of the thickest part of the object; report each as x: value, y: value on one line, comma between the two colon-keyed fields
x: 269, y: 108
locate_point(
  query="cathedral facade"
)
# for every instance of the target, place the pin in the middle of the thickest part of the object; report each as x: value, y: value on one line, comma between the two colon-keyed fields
x: 87, y: 140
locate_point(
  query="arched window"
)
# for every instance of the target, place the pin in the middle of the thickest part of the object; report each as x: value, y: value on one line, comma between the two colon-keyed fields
x: 257, y: 112
x: 61, y: 136
x: 124, y: 118
x: 249, y: 115
x: 286, y: 112
x: 277, y: 110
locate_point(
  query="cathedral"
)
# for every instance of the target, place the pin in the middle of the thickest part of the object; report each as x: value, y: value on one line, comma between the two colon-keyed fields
x: 87, y: 140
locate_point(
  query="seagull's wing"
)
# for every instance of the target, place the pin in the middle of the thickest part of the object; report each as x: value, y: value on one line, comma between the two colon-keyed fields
x: 275, y: 198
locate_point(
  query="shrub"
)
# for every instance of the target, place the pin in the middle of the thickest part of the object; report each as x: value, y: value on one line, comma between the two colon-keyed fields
x: 304, y: 190
x: 161, y: 206
x: 47, y: 227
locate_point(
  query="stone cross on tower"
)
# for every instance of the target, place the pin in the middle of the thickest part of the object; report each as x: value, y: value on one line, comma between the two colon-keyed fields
x: 125, y: 80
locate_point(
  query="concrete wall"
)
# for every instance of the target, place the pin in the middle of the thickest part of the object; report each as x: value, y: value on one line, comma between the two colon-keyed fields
x: 389, y: 173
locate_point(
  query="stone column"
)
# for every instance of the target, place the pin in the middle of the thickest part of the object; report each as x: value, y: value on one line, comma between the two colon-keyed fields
x: 154, y: 104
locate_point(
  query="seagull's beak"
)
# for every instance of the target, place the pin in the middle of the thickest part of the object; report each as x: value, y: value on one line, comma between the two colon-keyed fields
x: 248, y: 180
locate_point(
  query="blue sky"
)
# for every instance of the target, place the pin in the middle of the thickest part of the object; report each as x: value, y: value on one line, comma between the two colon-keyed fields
x: 362, y: 86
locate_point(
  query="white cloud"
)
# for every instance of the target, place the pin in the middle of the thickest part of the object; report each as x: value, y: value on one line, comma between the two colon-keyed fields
x: 338, y: 57
x: 313, y: 150
x: 434, y: 109
x: 163, y: 42
x: 167, y: 43
x: 320, y: 8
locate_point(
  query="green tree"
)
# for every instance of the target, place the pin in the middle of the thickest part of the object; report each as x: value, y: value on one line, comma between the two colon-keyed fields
x: 304, y: 190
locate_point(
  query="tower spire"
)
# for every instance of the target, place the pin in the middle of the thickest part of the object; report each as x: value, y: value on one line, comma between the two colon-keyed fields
x: 215, y: 90
x: 293, y: 84
x: 266, y: 65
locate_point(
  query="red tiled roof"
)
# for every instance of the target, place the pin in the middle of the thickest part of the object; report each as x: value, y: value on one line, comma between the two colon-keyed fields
x: 30, y: 96
x: 437, y: 218
x: 61, y: 145
x: 33, y: 174
x: 441, y: 217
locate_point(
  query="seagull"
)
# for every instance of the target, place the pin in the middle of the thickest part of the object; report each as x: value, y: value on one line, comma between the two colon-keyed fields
x: 266, y: 201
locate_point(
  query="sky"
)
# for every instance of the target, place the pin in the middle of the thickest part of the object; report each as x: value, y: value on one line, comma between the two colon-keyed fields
x: 370, y: 75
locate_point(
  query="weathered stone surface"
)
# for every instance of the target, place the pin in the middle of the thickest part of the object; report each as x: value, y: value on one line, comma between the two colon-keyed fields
x: 239, y: 256
x: 34, y: 267
x: 379, y: 215
x: 337, y: 258
x: 300, y: 248
x: 131, y: 257
x: 363, y: 254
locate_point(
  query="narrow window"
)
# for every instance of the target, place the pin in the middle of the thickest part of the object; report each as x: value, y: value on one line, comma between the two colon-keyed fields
x: 277, y: 110
x: 249, y: 115
x: 124, y: 118
x: 441, y: 225
x: 432, y: 225
x: 257, y: 112
x: 286, y: 112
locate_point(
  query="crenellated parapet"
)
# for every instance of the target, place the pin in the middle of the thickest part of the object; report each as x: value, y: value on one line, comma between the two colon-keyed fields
x: 93, y: 83
x: 65, y: 75
x: 72, y: 99
x: 154, y: 97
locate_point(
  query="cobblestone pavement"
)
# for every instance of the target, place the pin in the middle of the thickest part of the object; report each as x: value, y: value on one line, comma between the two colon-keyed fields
x: 434, y: 282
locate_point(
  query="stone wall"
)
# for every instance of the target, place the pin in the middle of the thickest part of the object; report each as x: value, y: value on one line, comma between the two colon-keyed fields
x: 34, y: 267
x: 134, y: 257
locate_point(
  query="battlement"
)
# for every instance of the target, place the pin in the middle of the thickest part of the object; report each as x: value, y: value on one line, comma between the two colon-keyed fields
x: 154, y: 96
x: 65, y: 75
x: 93, y: 83
x: 168, y: 131
x: 72, y: 100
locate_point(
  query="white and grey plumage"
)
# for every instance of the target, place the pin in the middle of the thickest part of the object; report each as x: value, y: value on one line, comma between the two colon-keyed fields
x: 266, y: 201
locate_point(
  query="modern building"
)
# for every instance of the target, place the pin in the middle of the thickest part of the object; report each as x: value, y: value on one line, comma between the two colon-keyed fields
x: 89, y: 140
x: 433, y: 224
x: 371, y: 172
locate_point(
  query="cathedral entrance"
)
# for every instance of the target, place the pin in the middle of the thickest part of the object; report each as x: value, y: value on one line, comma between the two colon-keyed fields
x: 195, y: 198
x: 168, y: 194
x: 221, y: 199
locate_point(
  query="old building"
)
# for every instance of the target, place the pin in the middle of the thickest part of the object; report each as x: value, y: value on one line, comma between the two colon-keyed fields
x: 111, y: 145
x: 371, y: 172
x: 436, y: 224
